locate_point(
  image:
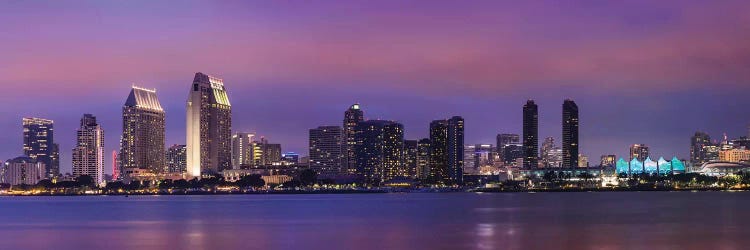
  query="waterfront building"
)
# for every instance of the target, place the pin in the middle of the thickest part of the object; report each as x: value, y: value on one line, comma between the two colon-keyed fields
x: 636, y: 167
x: 88, y: 154
x: 327, y: 150
x: 469, y: 159
x: 446, y: 151
x: 639, y: 152
x: 39, y: 144
x: 352, y: 116
x: 379, y: 149
x: 271, y: 154
x: 423, y: 159
x: 143, y: 126
x: 209, y: 126
x: 242, y: 150
x: 583, y: 161
x: 530, y: 135
x: 570, y: 134
x: 483, y: 156
x: 411, y: 157
x: 177, y: 159
x: 509, y: 147
x: 22, y: 170
x: 735, y: 155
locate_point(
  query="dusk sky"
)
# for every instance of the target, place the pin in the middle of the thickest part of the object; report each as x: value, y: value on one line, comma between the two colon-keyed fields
x: 648, y: 72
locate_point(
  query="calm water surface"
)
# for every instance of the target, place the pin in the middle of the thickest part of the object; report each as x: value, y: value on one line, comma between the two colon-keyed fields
x: 644, y: 220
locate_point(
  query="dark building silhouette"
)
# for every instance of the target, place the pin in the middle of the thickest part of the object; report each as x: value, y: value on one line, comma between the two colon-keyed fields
x: 379, y: 150
x: 570, y: 134
x: 352, y: 116
x: 39, y: 144
x: 699, y: 148
x: 423, y: 159
x: 530, y: 135
x: 411, y: 157
x: 447, y: 151
x: 326, y: 150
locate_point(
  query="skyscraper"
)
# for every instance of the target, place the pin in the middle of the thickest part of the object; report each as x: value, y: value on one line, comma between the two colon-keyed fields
x: 327, y: 150
x: 530, y: 135
x: 352, y: 116
x: 209, y: 126
x: 242, y: 151
x: 142, y: 141
x: 570, y: 134
x: 411, y: 158
x: 423, y: 159
x: 699, y: 148
x: 639, y: 151
x: 447, y: 151
x: 88, y: 155
x: 177, y: 159
x: 379, y: 149
x: 545, y: 153
x: 39, y: 144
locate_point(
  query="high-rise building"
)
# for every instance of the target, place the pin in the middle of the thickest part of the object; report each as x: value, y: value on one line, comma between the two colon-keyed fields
x: 469, y: 159
x: 22, y: 170
x: 327, y: 150
x: 271, y: 153
x: 512, y: 153
x: 608, y: 161
x: 379, y: 150
x: 530, y: 135
x: 142, y: 141
x: 570, y: 134
x: 509, y: 147
x: 507, y: 139
x: 209, y: 126
x: 411, y: 158
x: 447, y: 151
x: 39, y: 144
x: 242, y: 150
x: 177, y: 159
x: 352, y: 116
x: 699, y: 144
x: 483, y: 156
x: 88, y: 155
x: 423, y: 159
x: 639, y: 151
x: 545, y: 152
x: 583, y: 161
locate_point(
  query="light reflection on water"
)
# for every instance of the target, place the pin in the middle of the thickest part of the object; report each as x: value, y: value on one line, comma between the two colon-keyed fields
x: 645, y: 220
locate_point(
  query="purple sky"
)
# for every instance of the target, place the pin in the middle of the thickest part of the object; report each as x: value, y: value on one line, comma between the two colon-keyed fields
x: 649, y: 72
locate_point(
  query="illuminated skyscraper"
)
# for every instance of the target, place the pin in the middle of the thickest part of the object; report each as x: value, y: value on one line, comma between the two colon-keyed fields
x: 88, y: 155
x: 242, y: 151
x: 411, y: 158
x: 327, y: 150
x: 379, y: 150
x: 142, y: 141
x: 699, y: 147
x: 423, y: 159
x: 352, y: 116
x: 570, y: 134
x: 177, y: 159
x: 639, y: 152
x: 530, y: 135
x: 39, y: 144
x: 447, y: 151
x: 209, y: 126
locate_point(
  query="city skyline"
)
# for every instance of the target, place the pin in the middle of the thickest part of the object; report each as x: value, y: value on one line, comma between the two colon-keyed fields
x: 394, y: 84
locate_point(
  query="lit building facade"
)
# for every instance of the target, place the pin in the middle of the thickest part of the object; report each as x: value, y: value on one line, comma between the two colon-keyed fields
x: 735, y: 155
x: 411, y: 156
x: 352, y: 116
x: 423, y: 159
x: 379, y: 150
x: 530, y: 135
x: 177, y: 159
x: 699, y: 147
x: 639, y: 152
x: 447, y: 151
x: 242, y: 150
x: 662, y: 166
x: 209, y: 126
x: 143, y: 128
x: 39, y: 144
x: 570, y: 134
x: 607, y: 160
x: 22, y: 170
x: 88, y: 155
x: 326, y: 150
x: 583, y: 161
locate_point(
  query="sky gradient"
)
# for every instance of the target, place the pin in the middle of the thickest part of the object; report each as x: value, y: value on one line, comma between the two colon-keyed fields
x: 648, y: 72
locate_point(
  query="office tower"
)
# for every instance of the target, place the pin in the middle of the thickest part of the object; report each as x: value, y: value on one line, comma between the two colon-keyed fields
x: 327, y: 154
x: 352, y: 116
x: 639, y: 151
x: 512, y: 153
x: 271, y: 153
x: 555, y: 158
x: 483, y: 156
x: 507, y: 139
x: 142, y: 141
x: 530, y: 135
x: 447, y: 151
x: 699, y: 144
x: 423, y: 159
x: 469, y: 159
x: 209, y: 126
x: 545, y: 152
x: 39, y: 144
x: 177, y: 159
x: 379, y: 150
x: 607, y: 161
x: 411, y: 158
x: 22, y: 170
x: 582, y: 161
x: 570, y: 134
x: 242, y: 150
x: 88, y: 155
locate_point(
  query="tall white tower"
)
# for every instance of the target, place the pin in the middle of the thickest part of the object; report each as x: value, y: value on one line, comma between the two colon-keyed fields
x: 209, y: 126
